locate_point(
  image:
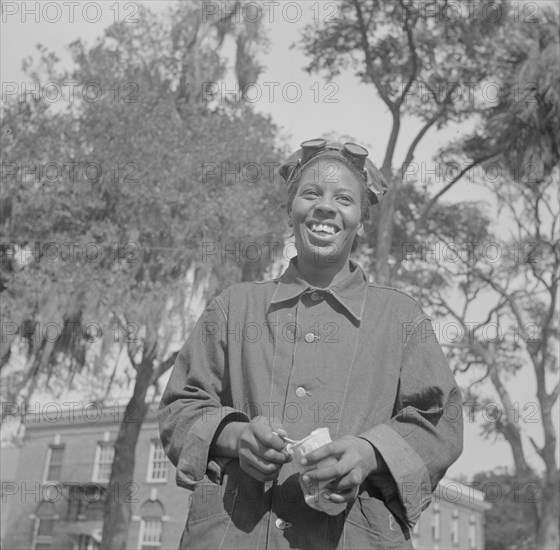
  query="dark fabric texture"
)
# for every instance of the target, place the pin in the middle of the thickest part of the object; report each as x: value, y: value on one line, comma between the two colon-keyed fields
x: 357, y: 358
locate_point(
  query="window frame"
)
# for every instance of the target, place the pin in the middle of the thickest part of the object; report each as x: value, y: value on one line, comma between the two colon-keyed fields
x: 156, y: 446
x: 142, y: 544
x: 42, y: 539
x: 48, y: 462
x: 473, y: 532
x: 455, y: 528
x: 97, y: 464
x: 436, y: 523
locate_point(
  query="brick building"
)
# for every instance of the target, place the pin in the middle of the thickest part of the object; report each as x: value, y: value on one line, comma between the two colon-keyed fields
x: 64, y: 467
x: 454, y: 519
x: 56, y: 499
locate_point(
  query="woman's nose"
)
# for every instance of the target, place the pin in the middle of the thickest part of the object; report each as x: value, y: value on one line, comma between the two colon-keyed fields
x: 326, y: 205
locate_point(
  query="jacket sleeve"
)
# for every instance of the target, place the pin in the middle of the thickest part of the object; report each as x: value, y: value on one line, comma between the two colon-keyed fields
x: 425, y: 434
x: 197, y: 400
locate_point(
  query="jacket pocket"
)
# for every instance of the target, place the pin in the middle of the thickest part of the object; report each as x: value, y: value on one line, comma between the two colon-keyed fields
x: 210, y: 515
x: 370, y: 525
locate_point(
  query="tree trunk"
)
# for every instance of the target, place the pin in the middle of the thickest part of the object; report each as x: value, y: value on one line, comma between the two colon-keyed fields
x: 548, y: 501
x: 387, y: 208
x: 548, y: 527
x: 385, y: 236
x: 117, y: 511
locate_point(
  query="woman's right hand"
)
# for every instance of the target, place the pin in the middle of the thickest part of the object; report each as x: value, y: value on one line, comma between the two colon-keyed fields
x: 262, y: 452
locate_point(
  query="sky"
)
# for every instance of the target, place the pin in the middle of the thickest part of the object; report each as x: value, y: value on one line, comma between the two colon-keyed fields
x: 344, y: 106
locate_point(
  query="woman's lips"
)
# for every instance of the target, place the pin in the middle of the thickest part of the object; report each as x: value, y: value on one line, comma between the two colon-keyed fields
x: 322, y: 236
x: 323, y: 229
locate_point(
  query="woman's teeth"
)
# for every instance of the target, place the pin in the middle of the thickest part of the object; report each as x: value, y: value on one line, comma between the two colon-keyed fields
x: 322, y: 228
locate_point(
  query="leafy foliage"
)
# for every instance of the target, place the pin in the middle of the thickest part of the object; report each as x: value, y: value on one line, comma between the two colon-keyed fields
x: 511, y: 522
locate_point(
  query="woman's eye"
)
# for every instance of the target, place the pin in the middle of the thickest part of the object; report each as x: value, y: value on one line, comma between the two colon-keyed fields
x: 345, y: 199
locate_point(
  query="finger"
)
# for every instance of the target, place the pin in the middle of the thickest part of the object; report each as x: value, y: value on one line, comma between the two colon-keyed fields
x: 317, y: 455
x: 323, y: 474
x: 270, y: 455
x: 348, y: 495
x: 349, y: 482
x: 277, y: 427
x: 263, y: 466
x: 271, y: 440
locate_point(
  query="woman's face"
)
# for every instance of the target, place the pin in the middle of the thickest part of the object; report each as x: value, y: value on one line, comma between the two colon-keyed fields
x: 326, y: 212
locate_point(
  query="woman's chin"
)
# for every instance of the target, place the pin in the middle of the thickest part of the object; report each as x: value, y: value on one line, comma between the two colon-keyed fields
x: 323, y: 253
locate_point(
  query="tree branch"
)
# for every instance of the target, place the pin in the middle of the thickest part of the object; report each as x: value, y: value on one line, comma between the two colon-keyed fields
x: 424, y: 213
x: 163, y: 367
x: 368, y: 58
x: 414, y: 56
x: 536, y: 447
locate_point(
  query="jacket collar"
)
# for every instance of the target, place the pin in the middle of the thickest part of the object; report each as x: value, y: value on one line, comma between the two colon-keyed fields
x: 350, y: 292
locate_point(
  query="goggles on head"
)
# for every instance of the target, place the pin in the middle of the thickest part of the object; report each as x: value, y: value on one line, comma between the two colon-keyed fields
x: 356, y: 154
x: 353, y: 152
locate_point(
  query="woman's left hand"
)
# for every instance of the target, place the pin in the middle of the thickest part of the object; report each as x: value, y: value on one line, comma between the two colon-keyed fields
x: 355, y: 460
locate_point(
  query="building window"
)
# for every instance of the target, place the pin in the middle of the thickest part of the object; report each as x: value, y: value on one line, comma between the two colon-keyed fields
x: 157, y: 465
x: 87, y: 542
x: 53, y: 468
x: 103, y: 462
x: 44, y: 527
x: 472, y: 532
x: 436, y: 525
x: 152, y: 515
x: 150, y: 533
x: 455, y: 527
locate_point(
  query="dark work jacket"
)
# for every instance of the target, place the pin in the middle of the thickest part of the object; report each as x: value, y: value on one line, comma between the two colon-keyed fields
x: 357, y: 358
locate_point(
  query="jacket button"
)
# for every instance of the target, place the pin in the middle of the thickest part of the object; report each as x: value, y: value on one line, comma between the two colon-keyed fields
x: 300, y: 392
x: 310, y: 337
x: 315, y: 296
x: 280, y: 523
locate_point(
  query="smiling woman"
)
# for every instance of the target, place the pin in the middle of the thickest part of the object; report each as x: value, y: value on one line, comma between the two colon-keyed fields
x: 326, y: 212
x: 336, y: 352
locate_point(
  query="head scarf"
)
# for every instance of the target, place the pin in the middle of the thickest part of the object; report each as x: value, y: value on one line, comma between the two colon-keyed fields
x: 374, y: 180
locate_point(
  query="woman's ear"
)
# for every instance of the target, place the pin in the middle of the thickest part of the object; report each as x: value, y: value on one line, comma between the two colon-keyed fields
x: 360, y: 231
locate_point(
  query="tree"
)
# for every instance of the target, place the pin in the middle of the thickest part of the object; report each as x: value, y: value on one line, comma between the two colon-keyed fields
x: 161, y: 191
x: 419, y: 60
x: 499, y: 297
x: 522, y: 286
x: 423, y: 62
x: 510, y: 522
x: 520, y: 127
x: 430, y: 60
